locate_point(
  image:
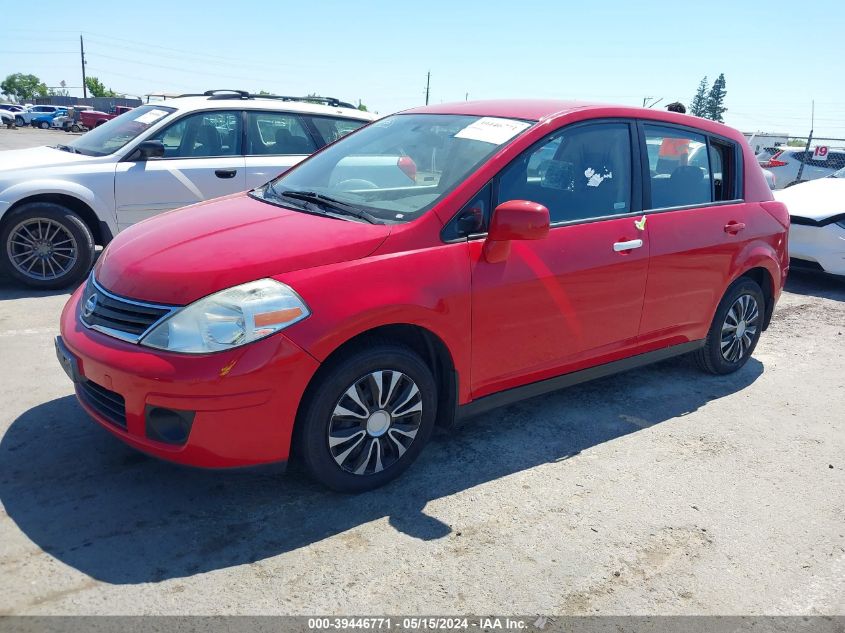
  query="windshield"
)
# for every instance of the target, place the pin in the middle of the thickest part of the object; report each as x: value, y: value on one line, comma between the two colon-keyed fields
x: 395, y: 169
x: 112, y: 135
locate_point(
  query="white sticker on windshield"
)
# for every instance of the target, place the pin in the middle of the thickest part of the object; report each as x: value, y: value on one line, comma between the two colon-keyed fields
x: 492, y: 130
x: 150, y: 117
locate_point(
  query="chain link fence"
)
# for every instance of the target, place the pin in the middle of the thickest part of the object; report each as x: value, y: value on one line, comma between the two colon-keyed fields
x: 796, y: 159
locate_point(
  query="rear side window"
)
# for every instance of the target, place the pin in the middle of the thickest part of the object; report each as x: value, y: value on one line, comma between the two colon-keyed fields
x: 580, y: 173
x: 330, y: 129
x: 277, y: 133
x: 679, y: 167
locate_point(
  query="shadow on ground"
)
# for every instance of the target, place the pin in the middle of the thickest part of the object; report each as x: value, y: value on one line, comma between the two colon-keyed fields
x: 816, y: 285
x: 11, y: 289
x: 120, y: 517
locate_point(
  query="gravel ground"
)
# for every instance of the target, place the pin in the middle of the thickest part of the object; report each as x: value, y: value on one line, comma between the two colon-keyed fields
x: 659, y: 491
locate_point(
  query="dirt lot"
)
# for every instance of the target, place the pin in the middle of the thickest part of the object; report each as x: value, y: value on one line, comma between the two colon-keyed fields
x: 658, y: 491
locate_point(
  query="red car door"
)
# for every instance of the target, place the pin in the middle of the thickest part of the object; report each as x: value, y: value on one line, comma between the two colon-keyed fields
x: 574, y: 298
x: 697, y: 225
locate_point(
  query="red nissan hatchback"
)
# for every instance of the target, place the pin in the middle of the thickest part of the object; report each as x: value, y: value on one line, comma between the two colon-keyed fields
x: 429, y: 266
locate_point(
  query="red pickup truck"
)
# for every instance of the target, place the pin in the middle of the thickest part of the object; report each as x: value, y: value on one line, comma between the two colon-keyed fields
x: 93, y: 118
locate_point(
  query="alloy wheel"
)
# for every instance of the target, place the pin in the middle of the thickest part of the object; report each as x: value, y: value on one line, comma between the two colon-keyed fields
x: 374, y: 422
x: 42, y: 249
x: 739, y: 328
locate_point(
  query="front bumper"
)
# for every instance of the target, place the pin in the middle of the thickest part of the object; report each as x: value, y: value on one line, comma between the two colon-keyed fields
x: 243, y: 401
x: 824, y: 245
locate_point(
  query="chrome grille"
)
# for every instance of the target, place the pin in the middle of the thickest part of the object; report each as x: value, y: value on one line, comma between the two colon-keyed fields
x: 116, y: 316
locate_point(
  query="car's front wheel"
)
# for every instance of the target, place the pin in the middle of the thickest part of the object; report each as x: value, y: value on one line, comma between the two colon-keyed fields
x: 45, y: 125
x: 735, y: 330
x: 46, y: 245
x: 367, y: 418
x: 19, y: 121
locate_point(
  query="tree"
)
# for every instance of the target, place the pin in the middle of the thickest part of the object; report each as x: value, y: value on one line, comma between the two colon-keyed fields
x: 97, y: 89
x: 362, y: 107
x: 697, y: 108
x: 23, y: 87
x: 715, y: 105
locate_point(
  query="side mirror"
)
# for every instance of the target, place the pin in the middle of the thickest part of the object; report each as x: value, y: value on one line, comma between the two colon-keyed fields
x: 514, y: 220
x: 149, y: 149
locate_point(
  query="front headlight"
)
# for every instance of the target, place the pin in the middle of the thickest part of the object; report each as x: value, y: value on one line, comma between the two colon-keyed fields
x: 229, y: 318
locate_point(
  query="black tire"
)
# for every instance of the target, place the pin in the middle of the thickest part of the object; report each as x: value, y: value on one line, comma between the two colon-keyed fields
x: 711, y: 357
x: 19, y: 121
x: 316, y: 418
x: 75, y: 128
x: 44, y: 125
x: 82, y: 243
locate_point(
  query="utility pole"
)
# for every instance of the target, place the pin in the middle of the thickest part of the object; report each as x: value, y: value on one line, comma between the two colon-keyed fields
x: 809, y: 141
x: 466, y: 97
x: 82, y: 56
x: 427, y: 86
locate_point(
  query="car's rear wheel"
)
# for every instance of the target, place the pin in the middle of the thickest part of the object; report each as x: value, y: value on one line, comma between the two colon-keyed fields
x: 75, y: 128
x: 368, y: 418
x: 19, y: 121
x: 735, y: 330
x: 46, y: 245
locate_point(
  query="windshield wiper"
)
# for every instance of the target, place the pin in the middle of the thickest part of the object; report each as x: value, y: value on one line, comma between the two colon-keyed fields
x: 67, y: 148
x: 330, y: 203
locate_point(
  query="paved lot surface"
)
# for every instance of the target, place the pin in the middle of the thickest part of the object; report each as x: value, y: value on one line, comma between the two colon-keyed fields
x: 658, y: 491
x: 20, y: 138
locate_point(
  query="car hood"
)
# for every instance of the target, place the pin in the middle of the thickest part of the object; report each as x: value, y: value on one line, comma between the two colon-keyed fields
x: 39, y: 157
x: 181, y: 256
x: 817, y: 200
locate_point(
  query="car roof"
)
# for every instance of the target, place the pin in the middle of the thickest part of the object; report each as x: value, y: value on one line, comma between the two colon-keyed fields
x: 545, y: 109
x: 528, y: 109
x: 193, y: 103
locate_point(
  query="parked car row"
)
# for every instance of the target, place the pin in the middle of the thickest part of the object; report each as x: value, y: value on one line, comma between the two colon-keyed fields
x: 77, y: 118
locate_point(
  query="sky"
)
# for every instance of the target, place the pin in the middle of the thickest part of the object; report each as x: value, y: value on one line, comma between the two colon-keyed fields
x: 777, y: 56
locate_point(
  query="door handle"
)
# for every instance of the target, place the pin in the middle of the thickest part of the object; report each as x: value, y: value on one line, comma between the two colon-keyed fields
x: 734, y: 227
x: 627, y: 246
x: 225, y: 173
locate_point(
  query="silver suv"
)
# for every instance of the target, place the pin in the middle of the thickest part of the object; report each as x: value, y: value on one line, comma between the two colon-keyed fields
x: 57, y: 203
x: 785, y: 164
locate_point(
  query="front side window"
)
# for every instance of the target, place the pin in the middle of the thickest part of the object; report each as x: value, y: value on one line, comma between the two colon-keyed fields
x: 579, y: 173
x: 679, y: 167
x: 115, y: 134
x: 277, y: 133
x: 331, y: 129
x: 202, y: 135
x: 395, y: 169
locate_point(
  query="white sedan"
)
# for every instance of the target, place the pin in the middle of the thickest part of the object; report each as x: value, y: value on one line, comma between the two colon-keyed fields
x: 817, y: 234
